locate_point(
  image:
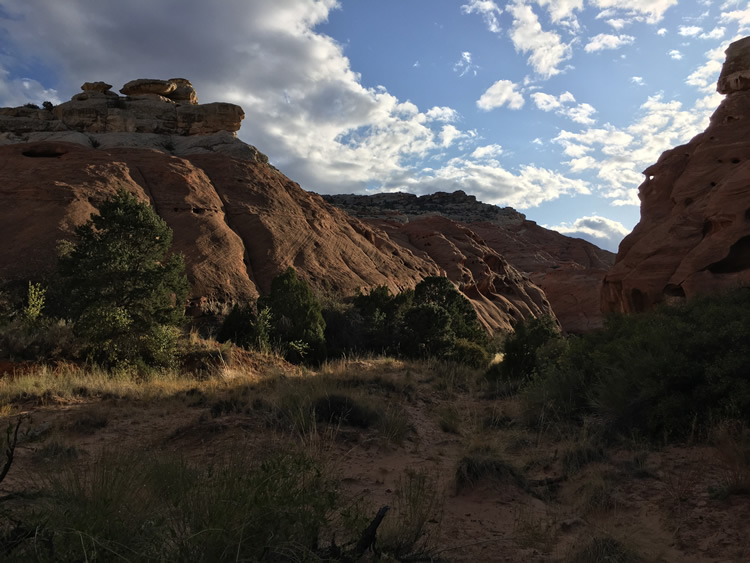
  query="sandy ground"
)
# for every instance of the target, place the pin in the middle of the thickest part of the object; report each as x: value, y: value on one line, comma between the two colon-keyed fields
x: 659, y: 502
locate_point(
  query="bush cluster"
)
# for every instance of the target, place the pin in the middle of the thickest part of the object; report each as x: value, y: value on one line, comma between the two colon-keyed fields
x: 667, y: 373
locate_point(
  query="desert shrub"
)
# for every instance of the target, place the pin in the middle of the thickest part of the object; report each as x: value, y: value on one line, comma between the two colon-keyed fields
x: 244, y: 328
x: 345, y: 329
x: 337, y: 408
x: 120, y: 285
x: 483, y: 462
x: 441, y: 292
x: 521, y: 347
x: 49, y: 106
x: 127, y: 506
x: 470, y: 353
x: 664, y: 373
x: 297, y: 323
x: 31, y: 106
x: 382, y: 316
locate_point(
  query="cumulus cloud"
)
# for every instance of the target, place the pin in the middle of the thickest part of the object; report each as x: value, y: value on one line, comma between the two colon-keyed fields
x: 617, y: 155
x: 741, y: 17
x: 546, y: 48
x: 715, y: 33
x: 637, y: 80
x: 528, y: 187
x: 19, y: 91
x: 605, y: 233
x: 705, y: 76
x: 563, y: 11
x: 501, y: 93
x: 487, y: 152
x: 652, y: 10
x: 689, y: 30
x: 662, y: 31
x: 580, y: 113
x: 488, y: 10
x: 604, y: 41
x: 441, y: 113
x: 675, y: 54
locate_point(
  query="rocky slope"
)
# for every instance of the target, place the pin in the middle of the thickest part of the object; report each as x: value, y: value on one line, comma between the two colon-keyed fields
x: 694, y: 233
x: 569, y: 270
x: 238, y: 221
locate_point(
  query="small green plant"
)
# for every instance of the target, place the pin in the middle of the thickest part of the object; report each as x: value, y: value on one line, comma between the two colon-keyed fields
x: 32, y: 313
x: 49, y: 106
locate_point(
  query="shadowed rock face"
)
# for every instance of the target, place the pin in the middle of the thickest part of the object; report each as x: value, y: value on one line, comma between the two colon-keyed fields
x: 694, y: 233
x: 237, y: 220
x: 568, y: 270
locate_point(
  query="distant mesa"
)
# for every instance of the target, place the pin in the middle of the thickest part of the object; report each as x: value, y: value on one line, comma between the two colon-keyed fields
x: 694, y: 233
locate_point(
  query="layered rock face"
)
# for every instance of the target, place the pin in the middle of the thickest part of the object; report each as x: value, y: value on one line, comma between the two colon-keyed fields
x: 159, y: 114
x: 694, y: 233
x: 238, y: 221
x: 569, y: 270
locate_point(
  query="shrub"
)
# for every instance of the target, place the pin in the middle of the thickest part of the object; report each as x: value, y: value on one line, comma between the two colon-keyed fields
x: 49, y: 106
x: 520, y: 349
x: 120, y: 285
x: 246, y: 329
x: 663, y: 373
x: 470, y: 353
x: 296, y: 318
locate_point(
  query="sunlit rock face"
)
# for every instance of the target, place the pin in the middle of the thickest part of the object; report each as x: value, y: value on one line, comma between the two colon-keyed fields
x: 694, y: 233
x: 568, y: 270
x: 237, y: 220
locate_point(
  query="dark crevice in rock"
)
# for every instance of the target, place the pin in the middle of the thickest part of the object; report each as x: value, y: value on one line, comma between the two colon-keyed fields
x: 737, y: 260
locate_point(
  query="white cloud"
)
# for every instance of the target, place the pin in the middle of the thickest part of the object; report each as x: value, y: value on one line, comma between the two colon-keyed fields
x: 488, y: 10
x: 605, y: 41
x: 617, y: 23
x: 441, y: 113
x: 563, y: 11
x: 652, y: 10
x: 675, y: 54
x: 19, y: 91
x: 689, y: 31
x: 715, y: 33
x: 637, y: 80
x: 580, y: 113
x: 662, y: 31
x: 606, y: 233
x: 450, y: 134
x: 706, y: 75
x: 502, y: 92
x: 547, y: 49
x: 464, y: 65
x: 491, y: 183
x: 617, y: 155
x: 742, y: 17
x: 487, y: 152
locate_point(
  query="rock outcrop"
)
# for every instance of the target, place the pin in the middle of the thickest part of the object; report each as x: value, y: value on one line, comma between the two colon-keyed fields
x: 238, y: 221
x: 569, y: 270
x: 167, y: 110
x: 694, y: 233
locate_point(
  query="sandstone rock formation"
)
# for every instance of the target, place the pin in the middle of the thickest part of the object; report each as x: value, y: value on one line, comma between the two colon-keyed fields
x: 694, y: 233
x: 165, y: 109
x: 569, y: 270
x: 238, y: 221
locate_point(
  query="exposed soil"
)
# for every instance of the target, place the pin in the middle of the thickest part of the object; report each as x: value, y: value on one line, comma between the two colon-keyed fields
x: 664, y: 504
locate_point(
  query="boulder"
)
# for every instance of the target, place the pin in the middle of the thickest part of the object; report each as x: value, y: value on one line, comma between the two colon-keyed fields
x: 102, y: 87
x: 148, y: 86
x: 184, y: 91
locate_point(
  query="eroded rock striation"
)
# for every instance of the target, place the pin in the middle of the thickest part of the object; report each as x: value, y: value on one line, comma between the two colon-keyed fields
x: 238, y: 221
x: 569, y: 270
x: 694, y: 233
x: 156, y: 114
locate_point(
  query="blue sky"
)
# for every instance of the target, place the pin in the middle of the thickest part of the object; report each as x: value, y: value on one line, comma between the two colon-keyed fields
x: 551, y: 106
